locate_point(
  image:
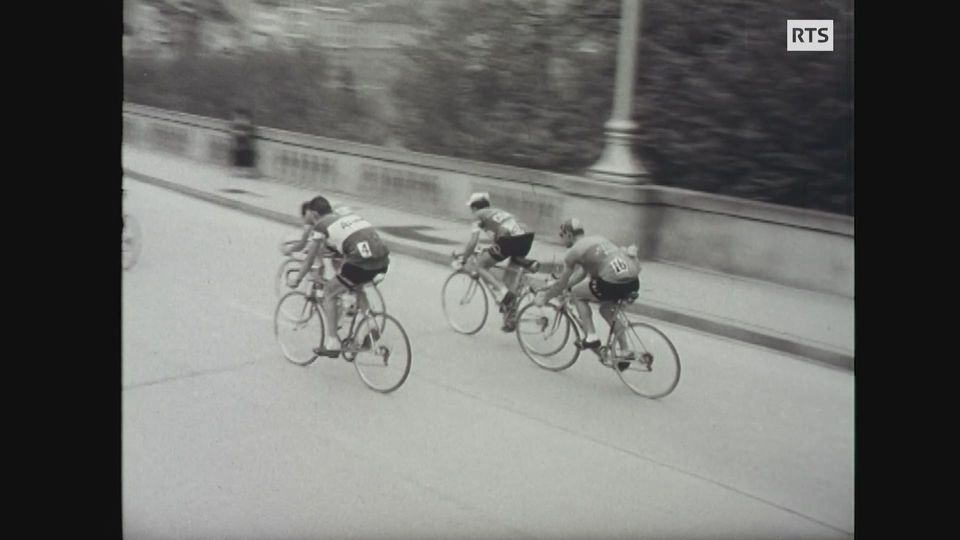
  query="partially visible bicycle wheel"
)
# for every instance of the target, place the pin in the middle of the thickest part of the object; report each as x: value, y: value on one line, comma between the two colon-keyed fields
x: 130, y: 242
x: 375, y: 299
x: 651, y: 361
x: 465, y: 303
x: 383, y: 354
x: 298, y: 327
x: 543, y: 333
x: 289, y: 268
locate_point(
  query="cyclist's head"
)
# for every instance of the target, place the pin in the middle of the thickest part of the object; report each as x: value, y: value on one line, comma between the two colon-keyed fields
x: 478, y: 201
x: 315, y: 208
x: 570, y: 229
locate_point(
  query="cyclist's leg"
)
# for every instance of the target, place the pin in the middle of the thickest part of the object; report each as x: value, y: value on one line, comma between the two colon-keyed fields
x: 511, y: 275
x: 519, y: 251
x: 612, y: 292
x: 583, y: 293
x: 516, y: 248
x: 356, y: 279
x: 608, y: 311
x: 485, y: 261
x: 331, y: 291
x: 362, y: 280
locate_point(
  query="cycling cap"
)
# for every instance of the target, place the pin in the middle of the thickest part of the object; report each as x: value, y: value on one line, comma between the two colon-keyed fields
x: 571, y: 225
x: 477, y: 197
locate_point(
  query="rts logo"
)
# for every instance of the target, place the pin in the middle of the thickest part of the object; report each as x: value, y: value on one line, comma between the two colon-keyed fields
x: 809, y: 35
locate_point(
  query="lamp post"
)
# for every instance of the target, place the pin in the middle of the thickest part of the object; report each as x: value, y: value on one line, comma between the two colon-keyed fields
x: 618, y: 163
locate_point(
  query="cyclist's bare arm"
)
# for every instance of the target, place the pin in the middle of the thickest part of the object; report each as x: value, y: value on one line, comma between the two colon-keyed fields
x: 562, y: 281
x: 293, y: 247
x: 578, y: 275
x: 471, y: 245
x: 315, y: 249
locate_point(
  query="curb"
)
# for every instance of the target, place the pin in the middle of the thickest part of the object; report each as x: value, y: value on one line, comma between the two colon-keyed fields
x: 703, y: 324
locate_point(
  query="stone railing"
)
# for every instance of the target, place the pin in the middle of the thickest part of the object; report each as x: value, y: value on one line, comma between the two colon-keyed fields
x: 795, y: 247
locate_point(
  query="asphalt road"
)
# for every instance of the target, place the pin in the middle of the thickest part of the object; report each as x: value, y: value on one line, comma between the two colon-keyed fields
x: 224, y: 438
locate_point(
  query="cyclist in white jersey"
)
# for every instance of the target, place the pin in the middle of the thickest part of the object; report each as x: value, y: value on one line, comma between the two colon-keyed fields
x: 364, y: 257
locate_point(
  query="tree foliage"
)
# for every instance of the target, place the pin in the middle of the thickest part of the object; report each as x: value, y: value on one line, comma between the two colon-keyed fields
x: 291, y: 90
x: 723, y: 107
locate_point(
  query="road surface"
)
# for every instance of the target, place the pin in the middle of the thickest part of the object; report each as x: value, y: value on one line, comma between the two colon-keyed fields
x: 222, y: 438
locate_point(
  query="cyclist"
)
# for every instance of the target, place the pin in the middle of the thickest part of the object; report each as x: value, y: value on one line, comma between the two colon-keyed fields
x: 613, y: 275
x: 364, y: 257
x: 289, y: 248
x: 510, y: 240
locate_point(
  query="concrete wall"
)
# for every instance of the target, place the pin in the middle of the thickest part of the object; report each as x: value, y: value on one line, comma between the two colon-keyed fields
x: 798, y: 248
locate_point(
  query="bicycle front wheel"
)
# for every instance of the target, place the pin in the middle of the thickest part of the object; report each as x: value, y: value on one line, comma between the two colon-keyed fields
x: 130, y: 242
x: 289, y: 268
x: 543, y: 332
x: 651, y: 362
x: 298, y: 327
x: 383, y: 354
x: 464, y: 302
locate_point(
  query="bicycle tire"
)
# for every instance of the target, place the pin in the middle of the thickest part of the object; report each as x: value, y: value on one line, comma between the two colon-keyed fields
x: 298, y: 335
x: 547, y: 322
x: 461, y: 289
x: 289, y: 266
x: 662, y: 375
x: 376, y: 358
x: 375, y: 301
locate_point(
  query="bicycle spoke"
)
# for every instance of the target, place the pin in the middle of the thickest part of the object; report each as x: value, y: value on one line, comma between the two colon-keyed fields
x: 464, y: 302
x: 383, y: 354
x: 298, y: 328
x: 543, y: 333
x: 648, y: 363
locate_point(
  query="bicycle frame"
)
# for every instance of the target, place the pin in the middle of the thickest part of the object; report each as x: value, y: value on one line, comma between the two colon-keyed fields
x: 568, y: 307
x: 470, y: 266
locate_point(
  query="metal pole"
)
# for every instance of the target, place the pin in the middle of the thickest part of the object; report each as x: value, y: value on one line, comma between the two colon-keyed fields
x: 618, y: 163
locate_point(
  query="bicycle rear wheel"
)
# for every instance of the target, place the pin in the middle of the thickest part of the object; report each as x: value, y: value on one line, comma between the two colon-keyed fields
x: 298, y: 327
x: 654, y: 364
x: 465, y: 303
x: 130, y: 242
x: 375, y: 300
x: 383, y: 354
x: 543, y: 332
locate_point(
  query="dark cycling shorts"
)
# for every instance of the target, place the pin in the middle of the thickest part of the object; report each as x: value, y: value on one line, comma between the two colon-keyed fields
x: 610, y: 292
x: 511, y: 246
x: 354, y: 276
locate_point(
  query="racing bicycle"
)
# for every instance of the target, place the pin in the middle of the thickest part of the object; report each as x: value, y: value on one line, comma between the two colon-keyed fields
x: 373, y: 341
x: 648, y: 364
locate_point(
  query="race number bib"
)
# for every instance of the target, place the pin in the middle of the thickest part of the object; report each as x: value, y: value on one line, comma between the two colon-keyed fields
x: 619, y: 266
x: 343, y: 227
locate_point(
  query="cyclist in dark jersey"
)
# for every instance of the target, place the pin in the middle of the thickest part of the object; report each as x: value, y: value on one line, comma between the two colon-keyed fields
x: 613, y: 274
x: 364, y: 257
x: 510, y: 240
